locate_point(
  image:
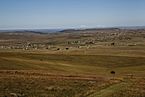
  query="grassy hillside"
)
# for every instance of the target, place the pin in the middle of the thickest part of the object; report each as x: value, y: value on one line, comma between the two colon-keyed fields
x: 73, y: 63
x: 69, y: 74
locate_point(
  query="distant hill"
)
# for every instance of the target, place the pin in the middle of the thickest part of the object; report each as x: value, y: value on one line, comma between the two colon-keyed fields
x: 86, y: 30
x: 38, y: 31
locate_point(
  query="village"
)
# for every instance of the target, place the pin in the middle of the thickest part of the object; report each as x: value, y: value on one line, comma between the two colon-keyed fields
x: 77, y: 39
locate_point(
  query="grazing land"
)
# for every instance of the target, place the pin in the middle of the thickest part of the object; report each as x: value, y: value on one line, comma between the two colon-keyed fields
x: 73, y: 63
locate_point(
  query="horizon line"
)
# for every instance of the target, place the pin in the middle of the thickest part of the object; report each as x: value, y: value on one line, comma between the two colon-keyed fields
x: 55, y: 28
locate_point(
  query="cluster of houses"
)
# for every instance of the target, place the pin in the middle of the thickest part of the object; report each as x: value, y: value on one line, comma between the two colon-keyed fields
x: 69, y: 45
x: 31, y: 46
x: 24, y: 46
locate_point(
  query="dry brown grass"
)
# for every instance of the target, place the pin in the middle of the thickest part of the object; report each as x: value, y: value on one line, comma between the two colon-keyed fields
x: 35, y: 84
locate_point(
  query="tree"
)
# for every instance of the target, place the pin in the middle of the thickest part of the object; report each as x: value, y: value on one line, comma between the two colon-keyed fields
x: 113, y: 73
x: 58, y: 49
x: 67, y: 48
x: 113, y: 44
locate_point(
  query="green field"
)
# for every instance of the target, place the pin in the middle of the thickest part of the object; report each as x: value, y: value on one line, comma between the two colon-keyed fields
x: 73, y: 73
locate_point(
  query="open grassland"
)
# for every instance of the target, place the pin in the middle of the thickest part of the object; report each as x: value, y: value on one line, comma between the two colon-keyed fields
x: 38, y: 85
x: 73, y: 73
x: 123, y: 62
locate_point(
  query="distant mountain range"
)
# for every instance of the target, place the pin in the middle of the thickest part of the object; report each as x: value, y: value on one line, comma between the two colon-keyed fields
x: 43, y: 31
x: 33, y: 30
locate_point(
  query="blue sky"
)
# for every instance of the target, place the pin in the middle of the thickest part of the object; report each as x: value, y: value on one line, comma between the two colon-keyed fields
x: 39, y: 14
